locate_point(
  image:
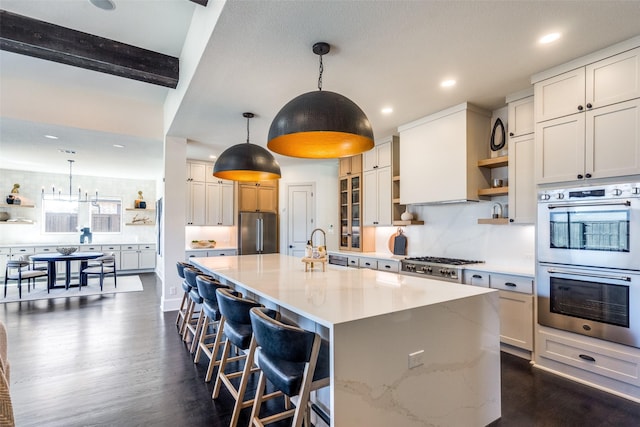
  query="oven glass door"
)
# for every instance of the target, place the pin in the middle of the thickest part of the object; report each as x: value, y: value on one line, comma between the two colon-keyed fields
x: 592, y: 234
x: 594, y: 302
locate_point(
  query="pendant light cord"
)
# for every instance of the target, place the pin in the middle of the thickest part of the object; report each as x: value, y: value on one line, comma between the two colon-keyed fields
x: 248, y: 118
x: 320, y: 76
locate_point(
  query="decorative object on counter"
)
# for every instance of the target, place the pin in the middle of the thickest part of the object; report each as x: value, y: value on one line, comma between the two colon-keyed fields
x: 246, y: 162
x: 496, y: 211
x: 315, y: 254
x: 15, y: 189
x: 4, y: 216
x: 320, y: 124
x: 140, y: 203
x: 203, y: 244
x: 496, y: 183
x: 86, y: 236
x: 66, y: 250
x: 70, y: 197
x: 406, y: 215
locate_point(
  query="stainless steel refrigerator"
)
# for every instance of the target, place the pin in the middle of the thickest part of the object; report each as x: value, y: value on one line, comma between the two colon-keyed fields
x: 257, y: 233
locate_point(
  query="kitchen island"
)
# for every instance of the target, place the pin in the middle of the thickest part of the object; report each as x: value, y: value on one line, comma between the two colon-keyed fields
x: 405, y: 351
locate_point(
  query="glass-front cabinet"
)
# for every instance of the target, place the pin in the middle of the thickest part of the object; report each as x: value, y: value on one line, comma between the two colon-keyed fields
x: 350, y: 212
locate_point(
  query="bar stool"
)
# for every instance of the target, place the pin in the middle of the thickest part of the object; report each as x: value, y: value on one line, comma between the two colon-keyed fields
x: 235, y: 323
x: 193, y: 321
x: 209, y: 319
x: 190, y: 274
x: 185, y: 297
x: 294, y: 360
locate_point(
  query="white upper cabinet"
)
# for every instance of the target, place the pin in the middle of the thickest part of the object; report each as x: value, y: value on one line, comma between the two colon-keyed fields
x: 439, y: 156
x: 210, y: 200
x: 521, y: 120
x: 378, y: 157
x: 588, y: 121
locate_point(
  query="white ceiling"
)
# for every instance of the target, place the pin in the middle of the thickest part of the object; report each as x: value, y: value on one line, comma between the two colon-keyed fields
x: 384, y: 53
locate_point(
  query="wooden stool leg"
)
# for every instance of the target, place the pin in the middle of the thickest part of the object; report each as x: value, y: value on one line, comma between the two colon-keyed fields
x: 246, y: 373
x: 214, y: 352
x: 221, y: 368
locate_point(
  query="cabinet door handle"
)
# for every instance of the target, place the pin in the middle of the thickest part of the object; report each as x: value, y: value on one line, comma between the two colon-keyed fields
x: 588, y: 175
x: 580, y: 108
x: 580, y: 176
x: 589, y: 105
x: 510, y: 284
x: 477, y: 276
x: 387, y: 266
x: 367, y: 264
x: 586, y: 357
x: 510, y: 133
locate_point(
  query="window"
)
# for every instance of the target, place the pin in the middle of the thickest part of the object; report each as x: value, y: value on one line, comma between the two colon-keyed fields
x: 106, y: 216
x: 64, y: 216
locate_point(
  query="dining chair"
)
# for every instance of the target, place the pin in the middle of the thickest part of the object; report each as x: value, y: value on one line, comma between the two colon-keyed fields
x: 103, y: 266
x: 19, y: 270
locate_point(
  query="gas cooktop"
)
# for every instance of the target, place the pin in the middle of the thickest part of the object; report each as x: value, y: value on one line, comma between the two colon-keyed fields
x: 449, y: 269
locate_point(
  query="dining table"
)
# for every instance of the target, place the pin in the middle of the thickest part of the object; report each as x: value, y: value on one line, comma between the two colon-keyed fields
x: 53, y: 258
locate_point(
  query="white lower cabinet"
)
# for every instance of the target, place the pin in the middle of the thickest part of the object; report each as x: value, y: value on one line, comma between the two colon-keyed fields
x: 621, y: 366
x: 516, y: 305
x: 389, y: 265
x: 137, y: 257
x: 211, y: 252
x: 371, y: 263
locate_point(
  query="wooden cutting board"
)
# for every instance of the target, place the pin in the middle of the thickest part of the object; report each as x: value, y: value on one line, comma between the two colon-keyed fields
x: 398, y: 243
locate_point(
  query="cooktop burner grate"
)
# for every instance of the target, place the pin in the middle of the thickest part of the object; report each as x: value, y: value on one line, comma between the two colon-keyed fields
x: 439, y: 260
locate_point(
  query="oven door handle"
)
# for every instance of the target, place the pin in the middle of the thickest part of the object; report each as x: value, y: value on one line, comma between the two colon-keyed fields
x: 571, y: 205
x: 598, y: 276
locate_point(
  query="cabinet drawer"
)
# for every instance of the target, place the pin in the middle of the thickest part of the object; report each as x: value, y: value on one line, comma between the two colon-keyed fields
x: 5, y: 251
x: 47, y: 250
x: 147, y: 247
x: 91, y: 248
x: 369, y: 263
x: 602, y: 361
x: 512, y: 283
x: 110, y: 248
x: 129, y: 247
x: 476, y: 278
x: 354, y: 261
x: 222, y: 252
x: 16, y: 252
x: 386, y: 265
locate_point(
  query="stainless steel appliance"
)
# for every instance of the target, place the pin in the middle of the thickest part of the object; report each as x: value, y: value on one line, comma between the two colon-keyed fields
x: 449, y: 269
x: 257, y: 233
x: 592, y: 227
x: 598, y: 302
x: 588, y: 271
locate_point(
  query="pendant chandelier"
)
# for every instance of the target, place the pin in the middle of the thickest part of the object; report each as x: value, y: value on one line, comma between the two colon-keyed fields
x: 70, y: 197
x: 246, y: 162
x: 320, y: 124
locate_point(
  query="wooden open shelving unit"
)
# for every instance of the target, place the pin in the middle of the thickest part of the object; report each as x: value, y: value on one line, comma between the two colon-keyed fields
x: 495, y: 162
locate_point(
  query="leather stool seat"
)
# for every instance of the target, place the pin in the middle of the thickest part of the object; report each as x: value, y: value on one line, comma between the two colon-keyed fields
x: 182, y: 311
x: 294, y: 360
x: 209, y: 322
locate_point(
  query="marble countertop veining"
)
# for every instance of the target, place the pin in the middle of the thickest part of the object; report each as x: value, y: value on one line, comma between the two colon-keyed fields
x: 337, y: 295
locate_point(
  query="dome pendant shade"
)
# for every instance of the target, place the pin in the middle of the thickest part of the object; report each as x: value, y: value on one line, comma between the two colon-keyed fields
x: 320, y: 125
x: 246, y: 162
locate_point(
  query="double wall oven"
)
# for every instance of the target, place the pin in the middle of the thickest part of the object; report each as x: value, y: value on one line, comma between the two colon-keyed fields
x: 588, y: 269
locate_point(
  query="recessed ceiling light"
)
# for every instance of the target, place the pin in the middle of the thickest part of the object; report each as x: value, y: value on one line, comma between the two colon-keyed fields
x: 118, y: 145
x: 212, y: 157
x: 549, y: 38
x: 103, y: 4
x: 51, y: 136
x: 387, y: 110
x: 66, y: 151
x: 448, y: 83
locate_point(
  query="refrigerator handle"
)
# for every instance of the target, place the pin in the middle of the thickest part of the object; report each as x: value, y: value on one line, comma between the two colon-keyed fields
x: 258, y: 235
x: 261, y: 235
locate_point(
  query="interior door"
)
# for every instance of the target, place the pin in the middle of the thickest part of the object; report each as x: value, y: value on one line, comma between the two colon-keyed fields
x: 300, y: 218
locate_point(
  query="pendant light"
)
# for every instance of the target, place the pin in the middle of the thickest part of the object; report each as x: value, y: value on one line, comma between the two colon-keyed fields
x: 320, y: 124
x: 246, y: 162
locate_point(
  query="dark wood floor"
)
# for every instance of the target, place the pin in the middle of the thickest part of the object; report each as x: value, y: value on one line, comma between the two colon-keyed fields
x: 116, y: 360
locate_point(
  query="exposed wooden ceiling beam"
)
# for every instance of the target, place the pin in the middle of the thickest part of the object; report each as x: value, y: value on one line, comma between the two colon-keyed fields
x: 43, y: 40
x: 201, y: 2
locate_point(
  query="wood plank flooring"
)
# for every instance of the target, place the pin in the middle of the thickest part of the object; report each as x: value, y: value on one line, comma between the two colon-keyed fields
x: 116, y: 360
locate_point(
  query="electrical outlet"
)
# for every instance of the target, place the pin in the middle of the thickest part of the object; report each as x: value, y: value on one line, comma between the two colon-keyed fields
x: 416, y: 359
x: 172, y: 290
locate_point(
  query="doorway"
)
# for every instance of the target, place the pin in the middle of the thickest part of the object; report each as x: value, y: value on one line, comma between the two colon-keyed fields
x: 300, y: 221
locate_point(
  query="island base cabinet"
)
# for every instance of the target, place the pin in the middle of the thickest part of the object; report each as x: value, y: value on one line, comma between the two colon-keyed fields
x: 465, y: 364
x: 516, y: 319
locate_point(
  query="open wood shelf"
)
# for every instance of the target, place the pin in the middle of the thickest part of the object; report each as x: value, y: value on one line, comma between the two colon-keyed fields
x: 497, y: 221
x: 496, y: 162
x: 6, y: 205
x: 500, y: 191
x: 412, y: 222
x: 139, y: 209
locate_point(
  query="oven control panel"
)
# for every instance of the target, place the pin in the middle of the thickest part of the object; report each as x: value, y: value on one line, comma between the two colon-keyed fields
x: 610, y: 191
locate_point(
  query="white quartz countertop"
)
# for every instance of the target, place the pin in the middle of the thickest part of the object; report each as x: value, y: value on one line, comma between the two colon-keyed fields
x: 337, y: 295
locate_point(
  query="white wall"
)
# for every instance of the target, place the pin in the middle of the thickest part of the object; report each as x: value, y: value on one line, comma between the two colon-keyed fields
x: 31, y: 184
x: 453, y: 231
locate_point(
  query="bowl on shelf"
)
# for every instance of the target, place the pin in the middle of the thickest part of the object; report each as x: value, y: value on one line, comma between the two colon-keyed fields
x: 66, y: 250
